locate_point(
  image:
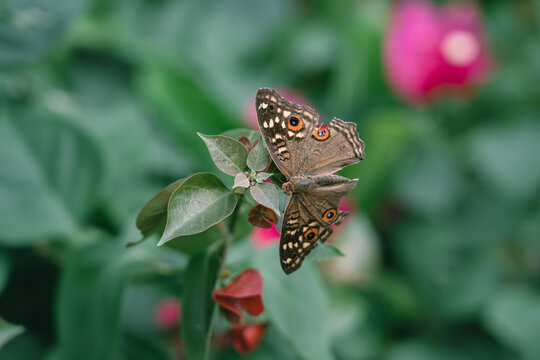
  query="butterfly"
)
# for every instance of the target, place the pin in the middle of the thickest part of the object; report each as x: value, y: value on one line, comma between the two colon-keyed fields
x: 308, y: 153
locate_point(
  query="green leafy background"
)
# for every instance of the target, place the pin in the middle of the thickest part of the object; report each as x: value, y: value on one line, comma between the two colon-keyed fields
x: 100, y: 106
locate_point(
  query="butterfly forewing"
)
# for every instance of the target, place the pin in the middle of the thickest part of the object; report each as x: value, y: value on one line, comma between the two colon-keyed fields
x: 341, y: 147
x: 286, y: 129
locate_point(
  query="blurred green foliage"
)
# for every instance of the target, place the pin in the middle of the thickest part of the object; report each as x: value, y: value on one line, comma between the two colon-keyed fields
x: 100, y: 105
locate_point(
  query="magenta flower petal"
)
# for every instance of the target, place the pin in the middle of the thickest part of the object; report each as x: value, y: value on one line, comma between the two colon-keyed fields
x: 430, y: 49
x: 261, y: 238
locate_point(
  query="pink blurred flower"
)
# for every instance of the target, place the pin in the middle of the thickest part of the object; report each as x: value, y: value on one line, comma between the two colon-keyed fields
x: 262, y: 238
x: 250, y: 113
x: 167, y: 314
x: 431, y: 50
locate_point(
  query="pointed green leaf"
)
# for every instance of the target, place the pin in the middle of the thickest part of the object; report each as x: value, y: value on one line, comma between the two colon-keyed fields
x: 8, y: 331
x: 153, y: 215
x: 200, y: 202
x: 241, y: 180
x: 238, y: 133
x: 198, y: 307
x: 267, y: 195
x: 257, y: 159
x: 324, y: 252
x: 262, y: 177
x: 228, y: 154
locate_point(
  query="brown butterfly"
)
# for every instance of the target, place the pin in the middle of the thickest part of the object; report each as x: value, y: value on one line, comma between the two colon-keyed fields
x: 307, y: 153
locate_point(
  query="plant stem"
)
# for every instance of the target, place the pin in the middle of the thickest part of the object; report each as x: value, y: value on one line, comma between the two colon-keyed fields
x: 228, y: 231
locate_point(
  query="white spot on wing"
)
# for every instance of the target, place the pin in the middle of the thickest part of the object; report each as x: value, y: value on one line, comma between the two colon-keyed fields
x: 265, y: 124
x: 271, y: 124
x: 286, y: 113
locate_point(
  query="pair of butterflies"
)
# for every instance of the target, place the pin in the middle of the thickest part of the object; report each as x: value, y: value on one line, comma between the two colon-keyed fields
x: 307, y: 153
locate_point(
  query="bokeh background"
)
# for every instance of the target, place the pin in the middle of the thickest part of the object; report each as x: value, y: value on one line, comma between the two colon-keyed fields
x: 100, y: 104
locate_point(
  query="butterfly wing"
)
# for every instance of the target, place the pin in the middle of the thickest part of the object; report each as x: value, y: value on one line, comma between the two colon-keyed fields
x: 333, y: 147
x: 286, y: 129
x: 298, y: 144
x: 307, y: 222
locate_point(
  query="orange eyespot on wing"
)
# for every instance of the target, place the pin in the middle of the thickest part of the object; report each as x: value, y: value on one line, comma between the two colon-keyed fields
x: 311, y: 234
x: 322, y: 132
x: 295, y: 123
x: 330, y: 215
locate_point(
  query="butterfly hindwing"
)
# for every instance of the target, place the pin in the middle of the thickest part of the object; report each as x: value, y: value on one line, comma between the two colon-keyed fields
x: 300, y: 233
x: 286, y: 128
x: 307, y: 222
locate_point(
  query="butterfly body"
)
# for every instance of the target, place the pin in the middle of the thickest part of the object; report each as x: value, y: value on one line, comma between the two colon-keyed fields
x: 307, y: 153
x: 305, y: 184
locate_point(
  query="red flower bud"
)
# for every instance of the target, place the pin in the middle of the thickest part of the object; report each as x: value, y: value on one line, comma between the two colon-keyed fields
x: 243, y: 293
x: 248, y: 336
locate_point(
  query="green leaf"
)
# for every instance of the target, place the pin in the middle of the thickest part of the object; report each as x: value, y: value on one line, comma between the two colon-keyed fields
x: 296, y: 305
x: 238, y: 133
x: 8, y: 331
x: 387, y: 135
x: 185, y: 105
x: 502, y: 167
x: 90, y: 297
x: 49, y: 177
x: 153, y: 216
x: 513, y: 316
x: 131, y: 144
x: 5, y: 265
x: 197, y: 304
x: 262, y: 177
x: 30, y: 28
x: 192, y: 244
x: 257, y: 159
x: 451, y: 265
x: 228, y: 154
x: 267, y: 195
x: 241, y: 180
x: 277, y: 177
x: 199, y: 203
x: 324, y: 252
